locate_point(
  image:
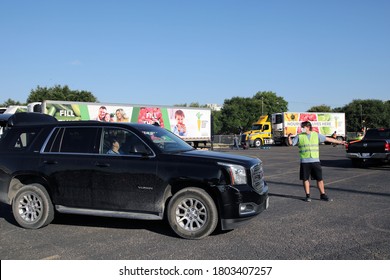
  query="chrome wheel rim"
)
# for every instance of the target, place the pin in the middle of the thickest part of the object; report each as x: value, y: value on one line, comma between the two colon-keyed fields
x: 191, y: 214
x: 30, y: 207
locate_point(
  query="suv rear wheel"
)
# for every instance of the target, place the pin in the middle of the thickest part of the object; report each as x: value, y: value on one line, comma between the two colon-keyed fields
x: 32, y: 207
x: 192, y: 213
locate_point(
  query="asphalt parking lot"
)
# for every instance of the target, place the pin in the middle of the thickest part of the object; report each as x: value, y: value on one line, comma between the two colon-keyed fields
x: 354, y: 226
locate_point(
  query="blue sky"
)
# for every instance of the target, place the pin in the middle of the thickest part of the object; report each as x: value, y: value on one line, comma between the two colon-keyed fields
x: 310, y: 52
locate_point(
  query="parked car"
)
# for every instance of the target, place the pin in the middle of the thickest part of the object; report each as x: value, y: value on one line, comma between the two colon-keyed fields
x: 374, y: 147
x: 125, y: 170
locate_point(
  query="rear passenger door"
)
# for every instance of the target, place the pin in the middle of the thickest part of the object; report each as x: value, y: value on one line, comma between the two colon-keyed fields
x: 68, y: 162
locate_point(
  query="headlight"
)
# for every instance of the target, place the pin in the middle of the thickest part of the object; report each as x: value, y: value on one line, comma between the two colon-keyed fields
x: 237, y: 173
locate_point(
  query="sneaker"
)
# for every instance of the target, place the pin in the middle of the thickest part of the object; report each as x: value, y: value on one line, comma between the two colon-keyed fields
x: 324, y: 197
x: 307, y: 199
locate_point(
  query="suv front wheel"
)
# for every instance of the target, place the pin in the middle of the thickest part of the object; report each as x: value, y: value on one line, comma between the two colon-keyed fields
x: 192, y: 213
x: 32, y: 207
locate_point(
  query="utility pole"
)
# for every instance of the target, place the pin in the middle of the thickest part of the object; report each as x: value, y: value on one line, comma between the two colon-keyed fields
x: 262, y: 105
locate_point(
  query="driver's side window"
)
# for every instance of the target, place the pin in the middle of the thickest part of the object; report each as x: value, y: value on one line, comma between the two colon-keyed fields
x: 122, y: 142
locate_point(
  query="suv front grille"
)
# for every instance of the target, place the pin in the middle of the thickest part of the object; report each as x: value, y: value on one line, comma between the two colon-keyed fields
x: 257, y: 176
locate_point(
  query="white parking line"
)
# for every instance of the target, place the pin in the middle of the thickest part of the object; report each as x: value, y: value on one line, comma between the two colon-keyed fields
x: 349, y: 178
x: 279, y: 174
x: 54, y: 257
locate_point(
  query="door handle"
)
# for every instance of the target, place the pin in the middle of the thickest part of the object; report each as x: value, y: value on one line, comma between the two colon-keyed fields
x: 102, y: 164
x: 50, y: 161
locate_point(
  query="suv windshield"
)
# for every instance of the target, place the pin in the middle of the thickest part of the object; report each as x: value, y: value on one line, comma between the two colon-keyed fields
x: 166, y: 141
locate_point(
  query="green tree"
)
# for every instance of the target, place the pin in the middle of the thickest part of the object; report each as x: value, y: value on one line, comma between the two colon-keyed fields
x: 270, y: 103
x: 217, y: 121
x: 239, y: 112
x: 243, y: 112
x: 387, y: 113
x: 369, y: 113
x: 320, y: 108
x: 10, y: 102
x: 60, y: 93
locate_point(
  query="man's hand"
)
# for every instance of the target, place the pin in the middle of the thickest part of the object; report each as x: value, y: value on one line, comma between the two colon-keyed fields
x: 289, y: 136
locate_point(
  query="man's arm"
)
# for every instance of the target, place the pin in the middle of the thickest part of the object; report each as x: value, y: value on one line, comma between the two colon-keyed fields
x: 335, y: 141
x: 291, y: 141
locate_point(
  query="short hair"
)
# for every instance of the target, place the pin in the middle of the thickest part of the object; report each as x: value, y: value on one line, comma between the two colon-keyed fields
x: 305, y: 124
x: 179, y: 113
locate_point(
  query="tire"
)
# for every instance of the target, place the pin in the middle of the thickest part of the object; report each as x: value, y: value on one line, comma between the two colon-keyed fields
x: 257, y: 143
x: 32, y: 207
x: 192, y: 213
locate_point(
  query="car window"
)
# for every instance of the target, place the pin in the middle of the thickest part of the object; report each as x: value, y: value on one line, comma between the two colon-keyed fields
x: 79, y: 140
x: 22, y: 139
x: 117, y: 141
x: 165, y: 140
x: 378, y: 134
x: 2, y: 132
x: 74, y: 140
x: 53, y: 144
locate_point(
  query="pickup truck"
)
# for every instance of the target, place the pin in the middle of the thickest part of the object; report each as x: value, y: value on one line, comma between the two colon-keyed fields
x: 374, y: 147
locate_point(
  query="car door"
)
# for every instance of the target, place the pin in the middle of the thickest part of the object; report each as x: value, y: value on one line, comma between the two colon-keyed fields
x: 67, y: 161
x: 124, y: 181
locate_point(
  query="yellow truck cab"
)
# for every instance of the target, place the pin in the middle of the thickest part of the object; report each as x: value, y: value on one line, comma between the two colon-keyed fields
x: 259, y: 134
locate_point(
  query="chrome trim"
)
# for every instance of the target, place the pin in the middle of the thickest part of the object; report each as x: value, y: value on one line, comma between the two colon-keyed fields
x: 107, y: 213
x: 42, y: 150
x: 250, y: 209
x: 257, y: 178
x: 371, y: 156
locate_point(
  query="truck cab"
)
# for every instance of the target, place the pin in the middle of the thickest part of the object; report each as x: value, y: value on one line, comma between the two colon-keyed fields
x: 259, y: 134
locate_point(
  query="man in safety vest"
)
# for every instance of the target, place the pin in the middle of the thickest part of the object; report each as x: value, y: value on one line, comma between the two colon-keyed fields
x: 308, y: 143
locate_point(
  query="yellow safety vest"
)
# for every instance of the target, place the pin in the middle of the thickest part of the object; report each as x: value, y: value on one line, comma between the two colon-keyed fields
x: 309, y: 148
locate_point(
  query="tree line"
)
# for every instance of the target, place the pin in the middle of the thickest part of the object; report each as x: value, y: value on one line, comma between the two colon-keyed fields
x: 240, y: 112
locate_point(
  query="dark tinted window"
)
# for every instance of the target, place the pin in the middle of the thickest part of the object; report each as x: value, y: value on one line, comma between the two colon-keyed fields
x: 53, y: 145
x: 21, y: 139
x: 278, y: 119
x: 74, y: 140
x: 378, y: 134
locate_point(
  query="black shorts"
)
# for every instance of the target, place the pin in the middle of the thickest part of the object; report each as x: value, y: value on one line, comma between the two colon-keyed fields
x: 312, y: 169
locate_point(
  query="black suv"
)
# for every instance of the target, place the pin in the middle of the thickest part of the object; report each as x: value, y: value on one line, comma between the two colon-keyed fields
x: 123, y: 170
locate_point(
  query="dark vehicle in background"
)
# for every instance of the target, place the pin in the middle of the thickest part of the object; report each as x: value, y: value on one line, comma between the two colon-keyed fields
x: 374, y: 147
x: 48, y: 166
